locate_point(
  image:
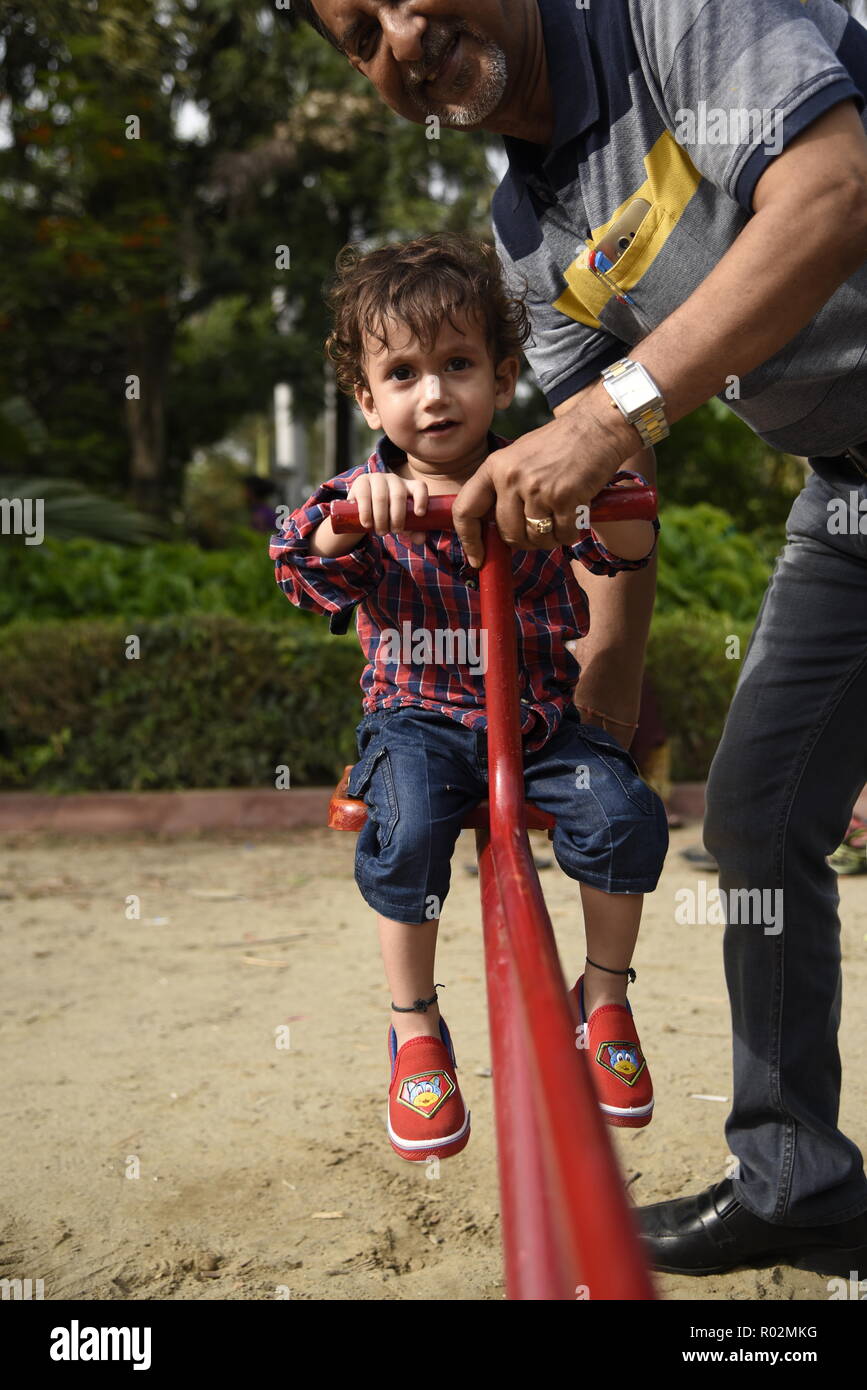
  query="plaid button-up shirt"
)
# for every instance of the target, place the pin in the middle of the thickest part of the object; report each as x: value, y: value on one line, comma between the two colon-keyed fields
x: 419, y: 617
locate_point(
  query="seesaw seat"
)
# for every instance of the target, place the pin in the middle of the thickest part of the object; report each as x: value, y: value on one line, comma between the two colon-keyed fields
x: 350, y: 813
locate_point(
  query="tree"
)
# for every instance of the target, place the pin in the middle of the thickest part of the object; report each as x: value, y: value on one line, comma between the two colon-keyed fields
x: 139, y: 262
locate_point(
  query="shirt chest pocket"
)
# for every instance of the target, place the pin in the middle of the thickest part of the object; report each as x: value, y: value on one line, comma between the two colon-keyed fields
x: 661, y: 268
x: 652, y: 234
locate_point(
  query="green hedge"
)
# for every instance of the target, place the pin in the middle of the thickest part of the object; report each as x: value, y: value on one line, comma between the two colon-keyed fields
x: 704, y: 562
x: 95, y: 579
x: 694, y: 679
x: 215, y: 701
x: 212, y: 701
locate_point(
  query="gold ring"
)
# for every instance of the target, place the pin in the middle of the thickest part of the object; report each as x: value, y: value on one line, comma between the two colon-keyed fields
x: 541, y: 525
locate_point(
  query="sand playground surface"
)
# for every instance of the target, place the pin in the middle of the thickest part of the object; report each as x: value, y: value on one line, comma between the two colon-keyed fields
x: 158, y: 1143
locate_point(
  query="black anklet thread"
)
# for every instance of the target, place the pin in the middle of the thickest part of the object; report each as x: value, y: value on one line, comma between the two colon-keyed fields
x: 607, y: 968
x: 420, y: 1006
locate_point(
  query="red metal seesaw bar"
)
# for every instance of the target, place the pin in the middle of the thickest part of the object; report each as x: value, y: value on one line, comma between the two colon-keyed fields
x: 568, y: 1231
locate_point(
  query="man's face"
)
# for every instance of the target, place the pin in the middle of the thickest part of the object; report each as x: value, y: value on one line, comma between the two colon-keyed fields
x: 443, y: 58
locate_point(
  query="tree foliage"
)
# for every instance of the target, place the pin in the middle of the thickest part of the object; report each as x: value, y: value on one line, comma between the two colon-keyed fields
x: 134, y: 249
x: 713, y: 457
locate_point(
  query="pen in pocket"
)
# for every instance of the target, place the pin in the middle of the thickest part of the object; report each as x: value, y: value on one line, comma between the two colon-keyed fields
x: 600, y: 265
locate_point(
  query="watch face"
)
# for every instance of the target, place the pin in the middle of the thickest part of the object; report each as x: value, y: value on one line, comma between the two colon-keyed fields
x: 635, y: 394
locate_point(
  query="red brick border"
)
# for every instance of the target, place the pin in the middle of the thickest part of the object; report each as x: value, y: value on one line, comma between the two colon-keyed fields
x: 121, y: 813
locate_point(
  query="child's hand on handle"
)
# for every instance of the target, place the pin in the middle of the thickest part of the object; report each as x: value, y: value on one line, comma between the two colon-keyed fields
x: 381, y: 499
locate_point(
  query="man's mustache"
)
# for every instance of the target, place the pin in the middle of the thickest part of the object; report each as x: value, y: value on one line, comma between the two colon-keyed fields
x: 435, y: 46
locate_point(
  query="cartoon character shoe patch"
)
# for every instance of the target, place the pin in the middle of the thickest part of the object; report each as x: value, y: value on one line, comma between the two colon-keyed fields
x: 623, y: 1059
x: 621, y: 1076
x: 426, y: 1092
x: 426, y: 1112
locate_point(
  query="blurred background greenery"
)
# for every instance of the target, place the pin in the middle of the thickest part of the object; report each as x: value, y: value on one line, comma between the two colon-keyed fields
x: 154, y: 160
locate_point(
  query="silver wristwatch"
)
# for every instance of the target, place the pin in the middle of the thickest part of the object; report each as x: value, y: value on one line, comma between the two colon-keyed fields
x: 638, y: 398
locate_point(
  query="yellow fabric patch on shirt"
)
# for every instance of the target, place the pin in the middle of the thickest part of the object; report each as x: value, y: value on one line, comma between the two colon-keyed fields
x: 671, y: 181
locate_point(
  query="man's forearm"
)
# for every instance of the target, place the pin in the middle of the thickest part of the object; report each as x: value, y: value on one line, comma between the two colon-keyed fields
x: 808, y: 235
x: 611, y: 656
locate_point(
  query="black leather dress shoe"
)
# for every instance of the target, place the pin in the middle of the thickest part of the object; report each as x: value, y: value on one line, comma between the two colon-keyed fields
x: 712, y: 1232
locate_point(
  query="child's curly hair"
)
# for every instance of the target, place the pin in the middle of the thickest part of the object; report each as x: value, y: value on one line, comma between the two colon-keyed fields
x: 420, y: 283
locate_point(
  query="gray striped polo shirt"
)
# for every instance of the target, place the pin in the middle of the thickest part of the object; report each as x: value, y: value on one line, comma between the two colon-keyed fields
x: 682, y: 103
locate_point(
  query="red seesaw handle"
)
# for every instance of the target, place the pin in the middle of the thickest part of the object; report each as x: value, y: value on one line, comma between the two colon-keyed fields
x: 611, y: 504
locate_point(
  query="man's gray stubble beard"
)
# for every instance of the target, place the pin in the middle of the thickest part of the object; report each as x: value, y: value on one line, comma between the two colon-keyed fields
x: 487, y: 99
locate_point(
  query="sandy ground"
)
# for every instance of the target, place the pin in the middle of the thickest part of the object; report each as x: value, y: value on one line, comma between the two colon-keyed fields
x: 157, y: 1143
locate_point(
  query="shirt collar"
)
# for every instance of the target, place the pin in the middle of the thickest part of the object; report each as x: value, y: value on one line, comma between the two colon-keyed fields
x: 574, y: 91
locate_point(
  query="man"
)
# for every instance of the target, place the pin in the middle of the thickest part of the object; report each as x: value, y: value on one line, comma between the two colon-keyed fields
x: 687, y: 191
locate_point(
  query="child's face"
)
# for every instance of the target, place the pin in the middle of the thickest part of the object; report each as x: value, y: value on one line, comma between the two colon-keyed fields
x: 436, y: 406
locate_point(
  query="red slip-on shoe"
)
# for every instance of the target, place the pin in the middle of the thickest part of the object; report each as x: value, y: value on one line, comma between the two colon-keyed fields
x: 427, y: 1117
x: 620, y: 1073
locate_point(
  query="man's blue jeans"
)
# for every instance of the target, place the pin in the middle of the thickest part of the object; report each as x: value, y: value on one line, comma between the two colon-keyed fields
x: 791, y: 763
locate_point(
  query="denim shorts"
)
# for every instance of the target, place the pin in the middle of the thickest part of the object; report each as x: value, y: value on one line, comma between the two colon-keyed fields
x: 420, y: 772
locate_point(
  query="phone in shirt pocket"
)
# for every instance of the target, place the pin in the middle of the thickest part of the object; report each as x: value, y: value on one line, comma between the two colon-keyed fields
x: 622, y: 233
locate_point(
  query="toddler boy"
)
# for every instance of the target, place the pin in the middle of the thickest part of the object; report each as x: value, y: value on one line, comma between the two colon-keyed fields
x: 428, y: 339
